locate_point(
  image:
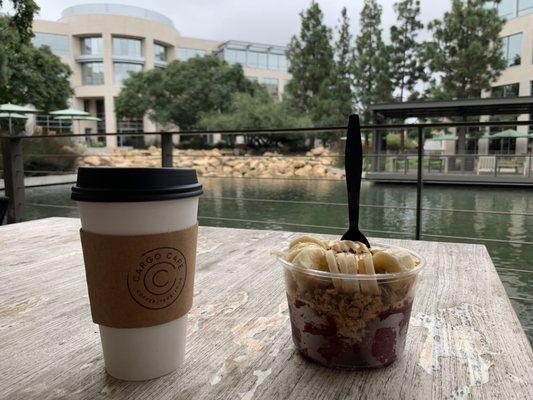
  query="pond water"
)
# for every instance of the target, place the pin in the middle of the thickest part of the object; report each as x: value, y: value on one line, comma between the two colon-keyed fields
x: 233, y: 202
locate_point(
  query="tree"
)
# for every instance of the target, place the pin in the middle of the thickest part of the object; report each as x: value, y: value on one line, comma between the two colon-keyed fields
x: 32, y: 75
x: 259, y: 111
x: 335, y: 102
x: 371, y: 75
x: 311, y: 62
x: 15, y: 30
x: 406, y: 64
x: 181, y: 92
x: 22, y: 18
x: 465, y: 55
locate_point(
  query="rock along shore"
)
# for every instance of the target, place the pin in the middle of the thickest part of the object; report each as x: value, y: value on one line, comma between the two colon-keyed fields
x: 316, y: 163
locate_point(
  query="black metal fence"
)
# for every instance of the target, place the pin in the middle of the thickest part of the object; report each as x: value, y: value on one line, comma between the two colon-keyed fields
x: 13, y: 168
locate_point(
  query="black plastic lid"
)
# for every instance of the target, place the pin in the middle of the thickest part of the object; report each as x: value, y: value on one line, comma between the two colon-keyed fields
x: 103, y: 184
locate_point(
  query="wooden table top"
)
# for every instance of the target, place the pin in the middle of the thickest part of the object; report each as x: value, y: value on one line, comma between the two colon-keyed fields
x: 464, y: 339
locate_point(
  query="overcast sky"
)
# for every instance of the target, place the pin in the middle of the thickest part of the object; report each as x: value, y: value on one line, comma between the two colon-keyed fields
x: 265, y: 21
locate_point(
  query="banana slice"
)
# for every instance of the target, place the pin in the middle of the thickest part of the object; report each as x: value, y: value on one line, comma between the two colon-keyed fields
x: 333, y: 267
x: 311, y: 257
x: 366, y: 266
x: 293, y: 253
x: 375, y: 250
x: 307, y: 240
x: 347, y: 264
x: 392, y: 260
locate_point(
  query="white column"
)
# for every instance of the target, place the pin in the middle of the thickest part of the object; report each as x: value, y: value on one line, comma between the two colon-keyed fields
x: 521, y: 145
x: 148, y: 53
x: 110, y: 120
x: 109, y: 101
x: 483, y: 146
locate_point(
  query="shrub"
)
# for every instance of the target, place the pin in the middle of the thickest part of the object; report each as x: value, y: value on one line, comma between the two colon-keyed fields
x: 394, y: 141
x: 48, y: 154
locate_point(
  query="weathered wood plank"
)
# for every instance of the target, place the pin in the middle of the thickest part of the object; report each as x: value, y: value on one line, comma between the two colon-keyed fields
x: 465, y: 340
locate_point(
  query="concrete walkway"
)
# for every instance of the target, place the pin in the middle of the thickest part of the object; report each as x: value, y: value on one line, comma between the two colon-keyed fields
x: 33, y: 181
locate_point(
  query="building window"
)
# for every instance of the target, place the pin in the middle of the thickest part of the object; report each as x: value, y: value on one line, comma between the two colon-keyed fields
x: 160, y: 52
x: 255, y: 59
x: 93, y: 73
x: 506, y: 8
x: 47, y: 123
x: 183, y: 54
x: 512, y: 49
x: 283, y: 63
x: 235, y: 56
x: 127, y: 47
x: 100, y: 113
x: 254, y: 55
x: 513, y: 8
x: 92, y: 46
x: 130, y: 125
x: 511, y: 90
x: 525, y: 7
x: 277, y: 62
x: 251, y: 78
x: 531, y: 115
x: 271, y: 85
x: 59, y: 44
x: 502, y: 146
x: 122, y: 71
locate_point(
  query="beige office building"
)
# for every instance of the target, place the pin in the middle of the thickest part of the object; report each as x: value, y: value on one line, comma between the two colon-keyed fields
x: 102, y: 43
x: 517, y: 78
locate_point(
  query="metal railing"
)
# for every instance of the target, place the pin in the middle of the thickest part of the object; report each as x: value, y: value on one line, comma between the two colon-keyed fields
x: 14, y: 168
x: 506, y: 165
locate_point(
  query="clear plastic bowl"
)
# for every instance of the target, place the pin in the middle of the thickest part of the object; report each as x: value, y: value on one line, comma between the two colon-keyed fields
x: 350, y: 321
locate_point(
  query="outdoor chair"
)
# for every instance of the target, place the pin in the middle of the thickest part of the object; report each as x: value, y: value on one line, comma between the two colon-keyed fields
x: 400, y: 160
x: 4, y: 201
x: 486, y: 164
x: 433, y: 160
x: 508, y: 165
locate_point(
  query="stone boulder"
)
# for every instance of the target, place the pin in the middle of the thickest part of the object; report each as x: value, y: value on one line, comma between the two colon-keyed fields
x: 93, y: 161
x: 304, y: 171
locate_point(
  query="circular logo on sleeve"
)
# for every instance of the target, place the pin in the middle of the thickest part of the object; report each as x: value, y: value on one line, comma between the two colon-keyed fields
x: 157, y: 280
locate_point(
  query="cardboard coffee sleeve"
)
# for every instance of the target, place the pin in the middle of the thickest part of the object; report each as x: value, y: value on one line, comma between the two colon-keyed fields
x: 139, y: 281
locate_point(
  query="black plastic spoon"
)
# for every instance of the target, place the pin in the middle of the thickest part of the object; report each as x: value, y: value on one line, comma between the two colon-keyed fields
x: 353, y: 164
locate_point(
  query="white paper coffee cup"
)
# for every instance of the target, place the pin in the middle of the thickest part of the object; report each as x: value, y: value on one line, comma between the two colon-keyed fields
x: 139, y: 353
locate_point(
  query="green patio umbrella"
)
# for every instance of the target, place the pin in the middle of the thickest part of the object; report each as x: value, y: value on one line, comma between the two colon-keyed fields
x: 70, y: 112
x: 508, y: 133
x: 445, y: 137
x: 77, y: 117
x: 13, y: 108
x: 80, y: 118
x: 9, y: 110
x: 13, y: 115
